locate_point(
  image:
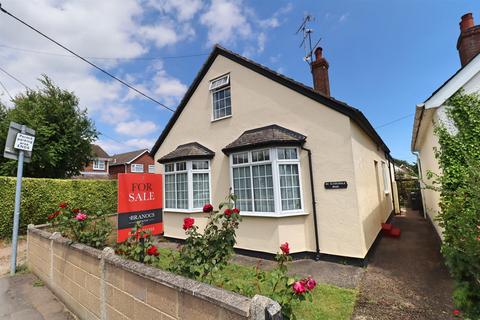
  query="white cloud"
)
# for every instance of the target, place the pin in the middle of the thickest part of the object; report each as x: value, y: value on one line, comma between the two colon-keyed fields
x: 137, y: 128
x: 114, y: 114
x: 184, y: 10
x: 344, y: 17
x: 114, y: 147
x: 171, y: 90
x: 225, y: 20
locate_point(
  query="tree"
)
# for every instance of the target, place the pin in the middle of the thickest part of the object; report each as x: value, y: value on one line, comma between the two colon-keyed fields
x: 63, y: 131
x: 459, y: 186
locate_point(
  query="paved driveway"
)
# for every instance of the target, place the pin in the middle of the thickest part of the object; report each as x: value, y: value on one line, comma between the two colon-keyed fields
x: 406, y: 277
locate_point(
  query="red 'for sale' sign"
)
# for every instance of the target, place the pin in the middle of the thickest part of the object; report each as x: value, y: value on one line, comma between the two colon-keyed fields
x: 139, y: 200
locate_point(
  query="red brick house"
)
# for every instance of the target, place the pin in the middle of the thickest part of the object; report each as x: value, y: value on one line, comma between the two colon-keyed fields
x: 139, y: 161
x: 98, y: 167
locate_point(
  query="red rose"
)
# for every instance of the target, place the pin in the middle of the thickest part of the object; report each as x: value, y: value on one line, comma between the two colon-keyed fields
x: 285, y: 248
x: 152, y: 251
x: 76, y: 210
x: 228, y: 212
x: 50, y: 217
x: 236, y: 210
x: 456, y: 312
x: 63, y: 205
x: 188, y: 223
x: 207, y: 208
x: 298, y: 287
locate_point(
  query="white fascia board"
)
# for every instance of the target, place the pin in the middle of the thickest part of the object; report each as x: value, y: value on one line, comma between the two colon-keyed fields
x: 454, y: 84
x: 129, y: 162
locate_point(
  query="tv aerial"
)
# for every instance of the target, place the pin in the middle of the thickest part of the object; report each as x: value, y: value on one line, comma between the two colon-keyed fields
x: 307, y: 38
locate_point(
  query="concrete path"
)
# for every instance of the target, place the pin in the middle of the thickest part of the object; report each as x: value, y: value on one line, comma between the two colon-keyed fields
x: 406, y: 277
x: 23, y: 297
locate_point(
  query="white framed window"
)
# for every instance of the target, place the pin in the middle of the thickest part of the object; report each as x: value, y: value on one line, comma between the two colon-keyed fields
x: 221, y: 98
x: 136, y: 168
x: 187, y: 185
x: 151, y: 168
x: 98, y: 165
x: 385, y: 177
x: 267, y: 181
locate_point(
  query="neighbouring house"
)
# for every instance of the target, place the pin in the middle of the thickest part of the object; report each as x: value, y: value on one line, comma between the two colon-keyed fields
x: 433, y: 111
x: 97, y: 167
x: 307, y: 168
x: 139, y: 161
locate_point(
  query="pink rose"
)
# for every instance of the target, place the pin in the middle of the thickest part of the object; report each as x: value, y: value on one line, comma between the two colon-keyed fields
x: 310, y: 283
x: 298, y: 287
x: 81, y: 216
x: 456, y: 312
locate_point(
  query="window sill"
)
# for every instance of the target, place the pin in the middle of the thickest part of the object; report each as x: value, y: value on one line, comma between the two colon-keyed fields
x: 273, y: 214
x: 222, y: 118
x: 183, y: 211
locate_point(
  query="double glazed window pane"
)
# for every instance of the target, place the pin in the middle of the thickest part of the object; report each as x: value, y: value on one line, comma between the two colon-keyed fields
x: 289, y: 187
x: 170, y: 201
x: 182, y: 191
x: 263, y: 188
x: 201, y: 193
x: 243, y: 188
x: 222, y: 103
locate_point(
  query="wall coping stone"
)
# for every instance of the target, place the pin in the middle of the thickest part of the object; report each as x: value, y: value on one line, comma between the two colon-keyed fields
x: 226, y: 299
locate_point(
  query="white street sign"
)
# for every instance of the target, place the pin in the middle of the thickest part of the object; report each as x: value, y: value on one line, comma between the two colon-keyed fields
x: 24, y: 142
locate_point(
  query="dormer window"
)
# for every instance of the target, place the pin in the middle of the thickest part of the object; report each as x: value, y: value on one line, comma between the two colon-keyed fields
x: 221, y: 101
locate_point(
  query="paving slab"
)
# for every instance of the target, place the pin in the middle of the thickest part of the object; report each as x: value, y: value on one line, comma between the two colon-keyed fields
x: 24, y: 297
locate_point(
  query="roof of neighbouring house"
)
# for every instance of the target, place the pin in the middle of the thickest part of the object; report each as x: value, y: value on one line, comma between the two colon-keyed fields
x: 127, y: 157
x: 353, y: 113
x: 98, y: 152
x: 188, y: 151
x: 265, y: 136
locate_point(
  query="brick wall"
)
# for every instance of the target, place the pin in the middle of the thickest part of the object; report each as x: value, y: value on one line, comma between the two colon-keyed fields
x: 115, y: 170
x: 145, y: 159
x: 96, y: 284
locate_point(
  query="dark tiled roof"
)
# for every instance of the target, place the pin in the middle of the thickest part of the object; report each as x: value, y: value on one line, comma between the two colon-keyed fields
x: 192, y: 150
x: 98, y: 152
x: 355, y: 114
x: 265, y: 136
x: 127, y: 157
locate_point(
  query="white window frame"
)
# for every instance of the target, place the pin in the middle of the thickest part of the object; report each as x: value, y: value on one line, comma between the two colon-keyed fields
x: 97, y: 166
x: 134, y: 165
x: 151, y: 168
x: 275, y: 162
x: 219, y: 88
x: 190, y: 173
x: 385, y: 174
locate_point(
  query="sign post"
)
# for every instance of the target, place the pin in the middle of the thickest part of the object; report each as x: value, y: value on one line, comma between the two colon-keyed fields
x: 19, y: 146
x: 139, y: 200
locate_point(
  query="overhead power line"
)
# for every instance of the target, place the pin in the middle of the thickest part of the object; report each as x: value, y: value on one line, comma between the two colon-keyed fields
x: 104, y: 58
x: 394, y: 121
x: 86, y: 60
x: 6, y: 90
x: 13, y: 77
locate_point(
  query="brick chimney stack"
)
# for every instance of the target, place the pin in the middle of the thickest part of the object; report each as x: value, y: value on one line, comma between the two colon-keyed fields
x: 468, y: 44
x: 320, y: 73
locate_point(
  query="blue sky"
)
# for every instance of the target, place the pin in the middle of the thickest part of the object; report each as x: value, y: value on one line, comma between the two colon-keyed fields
x: 385, y: 56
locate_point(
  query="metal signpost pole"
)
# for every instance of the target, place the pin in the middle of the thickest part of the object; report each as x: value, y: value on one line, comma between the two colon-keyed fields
x: 16, y: 214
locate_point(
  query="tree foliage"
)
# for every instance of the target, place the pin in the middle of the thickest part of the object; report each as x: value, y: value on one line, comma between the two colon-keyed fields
x: 459, y: 184
x: 63, y: 131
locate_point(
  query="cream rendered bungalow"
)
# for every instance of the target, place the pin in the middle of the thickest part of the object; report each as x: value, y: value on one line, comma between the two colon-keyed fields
x: 307, y: 169
x: 433, y: 111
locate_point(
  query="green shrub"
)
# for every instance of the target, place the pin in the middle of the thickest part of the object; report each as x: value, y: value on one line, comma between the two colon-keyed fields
x: 40, y: 197
x: 459, y: 184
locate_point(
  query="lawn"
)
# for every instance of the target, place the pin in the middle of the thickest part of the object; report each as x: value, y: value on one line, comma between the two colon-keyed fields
x: 329, y: 302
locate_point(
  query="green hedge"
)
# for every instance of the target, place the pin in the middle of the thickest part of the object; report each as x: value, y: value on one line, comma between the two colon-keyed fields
x: 40, y: 197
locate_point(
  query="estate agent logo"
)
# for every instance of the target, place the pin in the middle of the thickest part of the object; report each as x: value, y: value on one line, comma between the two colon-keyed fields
x: 139, y: 200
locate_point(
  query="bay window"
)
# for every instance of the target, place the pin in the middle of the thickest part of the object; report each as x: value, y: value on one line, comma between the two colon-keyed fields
x: 267, y: 181
x: 187, y: 185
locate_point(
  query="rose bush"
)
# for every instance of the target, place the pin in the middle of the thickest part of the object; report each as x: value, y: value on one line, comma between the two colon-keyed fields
x: 92, y: 230
x: 208, y: 252
x: 139, y: 246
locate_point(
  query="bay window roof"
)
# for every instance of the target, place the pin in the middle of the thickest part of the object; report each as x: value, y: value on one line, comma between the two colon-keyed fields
x: 273, y: 135
x: 192, y: 150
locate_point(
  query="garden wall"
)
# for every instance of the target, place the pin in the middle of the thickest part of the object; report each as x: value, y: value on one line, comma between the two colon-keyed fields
x: 40, y: 197
x: 96, y: 284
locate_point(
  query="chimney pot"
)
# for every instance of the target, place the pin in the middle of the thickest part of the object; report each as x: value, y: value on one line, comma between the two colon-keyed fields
x: 467, y: 22
x: 468, y: 44
x: 321, y: 84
